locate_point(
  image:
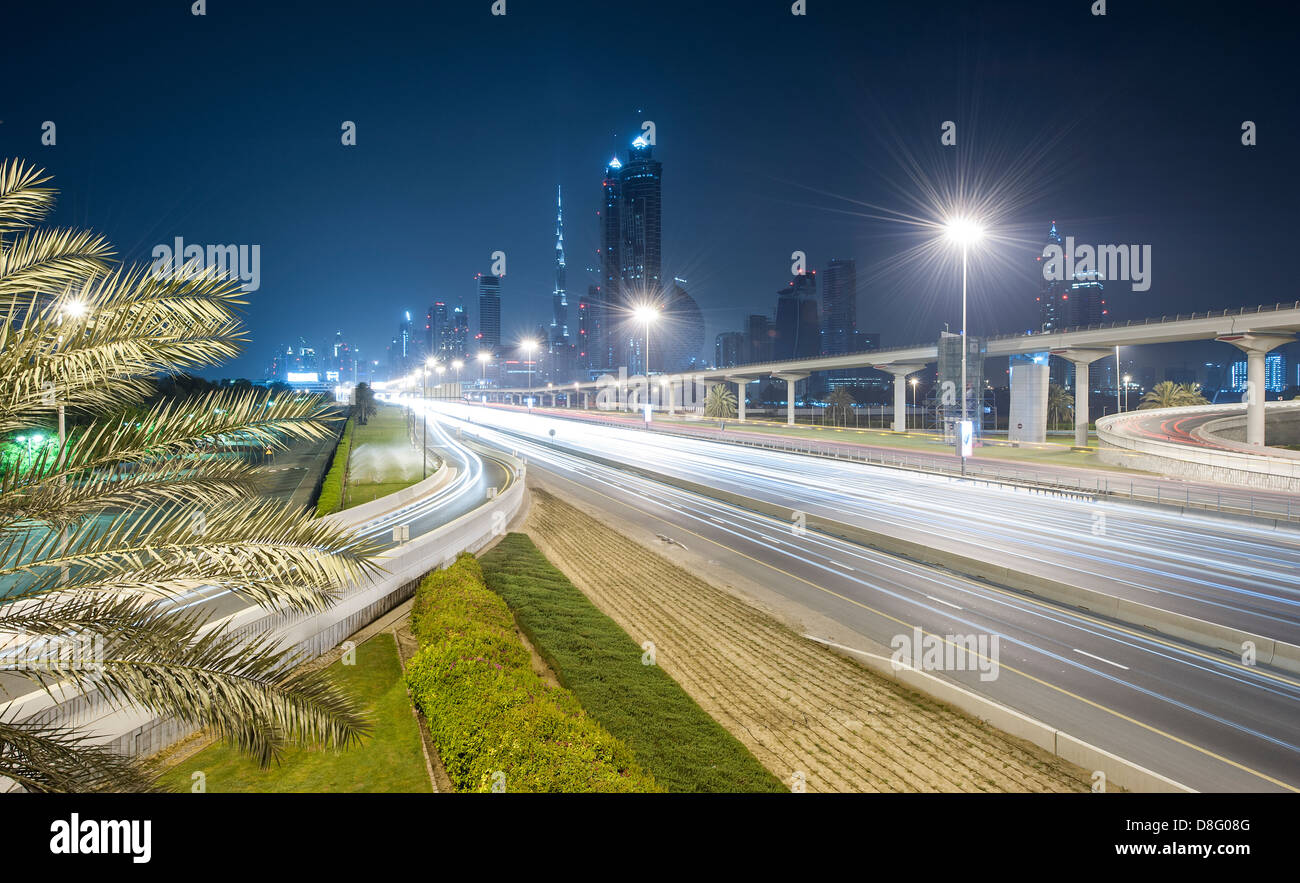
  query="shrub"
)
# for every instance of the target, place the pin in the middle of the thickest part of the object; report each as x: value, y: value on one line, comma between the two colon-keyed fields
x: 330, y: 498
x: 489, y: 712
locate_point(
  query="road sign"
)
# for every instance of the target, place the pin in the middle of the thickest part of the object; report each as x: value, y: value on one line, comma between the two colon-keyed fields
x: 966, y: 437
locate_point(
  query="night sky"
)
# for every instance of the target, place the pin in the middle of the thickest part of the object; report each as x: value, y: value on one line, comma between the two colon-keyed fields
x: 776, y: 133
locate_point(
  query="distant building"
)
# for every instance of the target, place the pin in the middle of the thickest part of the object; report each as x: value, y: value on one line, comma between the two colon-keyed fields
x: 758, y: 339
x: 489, y: 313
x: 839, y: 307
x: 1274, y: 374
x: 677, y: 339
x: 798, y: 325
x: 728, y: 349
x: 560, y: 299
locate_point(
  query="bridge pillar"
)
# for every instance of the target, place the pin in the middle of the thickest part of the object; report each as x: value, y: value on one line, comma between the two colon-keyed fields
x: 1081, y: 358
x: 1256, y: 347
x: 900, y: 372
x: 741, y: 383
x: 790, y: 381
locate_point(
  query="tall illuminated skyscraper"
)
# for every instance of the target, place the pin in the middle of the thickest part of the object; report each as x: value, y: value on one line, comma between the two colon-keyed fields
x: 560, y: 300
x: 489, y: 313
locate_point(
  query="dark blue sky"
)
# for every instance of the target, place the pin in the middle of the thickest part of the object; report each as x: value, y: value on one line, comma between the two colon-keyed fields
x: 225, y: 128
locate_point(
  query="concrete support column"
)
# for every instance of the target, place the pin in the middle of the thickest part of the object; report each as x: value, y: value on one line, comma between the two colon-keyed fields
x: 1256, y: 347
x: 740, y: 399
x: 789, y: 402
x: 1082, y: 385
x: 1081, y: 358
x: 900, y: 403
x: 672, y: 409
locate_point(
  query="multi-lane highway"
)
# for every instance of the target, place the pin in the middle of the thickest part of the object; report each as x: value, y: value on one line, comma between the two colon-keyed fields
x: 1199, y: 717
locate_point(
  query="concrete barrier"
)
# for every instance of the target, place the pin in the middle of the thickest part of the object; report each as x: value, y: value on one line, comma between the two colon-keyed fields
x: 1118, y: 771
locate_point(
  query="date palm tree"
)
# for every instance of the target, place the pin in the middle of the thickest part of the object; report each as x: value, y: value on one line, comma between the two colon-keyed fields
x: 1168, y: 394
x: 841, y: 402
x: 720, y: 403
x: 144, y: 502
x: 1060, y: 406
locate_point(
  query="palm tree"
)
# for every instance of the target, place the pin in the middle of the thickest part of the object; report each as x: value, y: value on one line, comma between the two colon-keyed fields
x: 720, y: 403
x: 1168, y: 394
x: 841, y: 401
x: 363, y: 403
x: 1060, y: 406
x: 99, y: 535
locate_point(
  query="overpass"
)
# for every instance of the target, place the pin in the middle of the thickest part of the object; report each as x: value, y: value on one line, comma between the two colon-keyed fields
x: 1255, y: 331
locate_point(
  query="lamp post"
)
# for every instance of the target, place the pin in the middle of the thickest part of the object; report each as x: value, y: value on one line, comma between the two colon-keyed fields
x: 647, y: 315
x: 483, y: 358
x: 907, y: 423
x: 529, y: 346
x: 1127, y: 378
x: 965, y: 232
x: 457, y: 365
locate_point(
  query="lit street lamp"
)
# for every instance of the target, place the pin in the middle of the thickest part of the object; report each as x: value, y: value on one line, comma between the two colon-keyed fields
x: 529, y: 346
x: 964, y: 232
x: 907, y: 423
x: 647, y: 315
x: 1127, y: 378
x: 483, y: 358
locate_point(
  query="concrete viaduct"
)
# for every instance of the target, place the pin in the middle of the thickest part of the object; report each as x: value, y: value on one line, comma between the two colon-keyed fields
x: 1254, y: 331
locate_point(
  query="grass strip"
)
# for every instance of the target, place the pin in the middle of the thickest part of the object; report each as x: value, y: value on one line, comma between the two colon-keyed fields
x: 499, y: 726
x: 677, y: 741
x: 330, y: 499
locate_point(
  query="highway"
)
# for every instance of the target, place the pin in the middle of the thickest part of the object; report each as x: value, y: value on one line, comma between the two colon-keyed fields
x: 1201, y: 718
x: 1231, y: 572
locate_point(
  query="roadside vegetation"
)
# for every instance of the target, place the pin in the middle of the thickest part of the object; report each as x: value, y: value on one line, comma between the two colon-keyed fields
x: 616, y: 681
x: 330, y: 499
x: 496, y: 723
x: 381, y: 460
x: 390, y: 759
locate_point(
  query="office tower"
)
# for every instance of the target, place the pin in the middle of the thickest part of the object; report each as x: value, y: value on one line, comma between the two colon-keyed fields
x: 631, y: 256
x: 436, y: 321
x: 758, y: 340
x: 728, y: 349
x: 489, y: 313
x: 559, y: 332
x: 798, y: 325
x: 677, y: 338
x: 839, y: 307
x: 1050, y: 290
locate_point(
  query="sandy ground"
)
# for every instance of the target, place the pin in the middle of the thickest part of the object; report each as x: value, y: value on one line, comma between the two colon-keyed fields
x: 804, y: 711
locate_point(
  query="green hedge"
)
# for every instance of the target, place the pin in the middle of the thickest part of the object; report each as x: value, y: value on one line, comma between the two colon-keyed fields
x: 330, y: 499
x: 679, y: 743
x: 489, y: 712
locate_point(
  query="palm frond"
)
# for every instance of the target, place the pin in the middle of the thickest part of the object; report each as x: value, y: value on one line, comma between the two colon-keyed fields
x: 23, y: 201
x: 49, y: 260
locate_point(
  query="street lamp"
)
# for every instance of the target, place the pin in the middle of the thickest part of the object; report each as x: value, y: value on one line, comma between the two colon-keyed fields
x: 483, y: 358
x: 964, y: 232
x: 529, y: 346
x: 1127, y: 378
x: 907, y: 423
x: 458, y: 364
x: 646, y: 315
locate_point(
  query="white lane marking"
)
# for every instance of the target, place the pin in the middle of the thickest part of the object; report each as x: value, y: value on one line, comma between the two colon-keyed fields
x: 941, y: 601
x: 839, y: 564
x: 1100, y: 659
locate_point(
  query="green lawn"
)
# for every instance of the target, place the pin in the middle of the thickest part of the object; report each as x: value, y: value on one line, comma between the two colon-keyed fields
x: 382, y: 460
x: 390, y: 759
x: 672, y: 737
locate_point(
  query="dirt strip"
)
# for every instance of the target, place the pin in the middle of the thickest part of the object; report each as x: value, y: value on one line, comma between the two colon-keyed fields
x: 805, y: 712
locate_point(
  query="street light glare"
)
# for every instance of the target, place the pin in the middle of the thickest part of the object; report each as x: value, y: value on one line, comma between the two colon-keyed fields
x: 964, y: 231
x: 484, y: 356
x: 529, y: 345
x: 646, y: 314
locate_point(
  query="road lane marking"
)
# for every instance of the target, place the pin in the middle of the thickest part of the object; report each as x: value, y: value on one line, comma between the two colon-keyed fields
x: 941, y: 601
x: 1099, y: 658
x: 1047, y: 684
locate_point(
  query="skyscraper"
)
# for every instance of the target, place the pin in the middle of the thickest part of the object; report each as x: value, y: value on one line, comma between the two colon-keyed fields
x: 631, y: 251
x: 560, y: 300
x: 758, y: 339
x: 489, y: 313
x: 798, y: 329
x: 677, y: 339
x: 1049, y: 290
x: 839, y: 306
x: 728, y: 349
